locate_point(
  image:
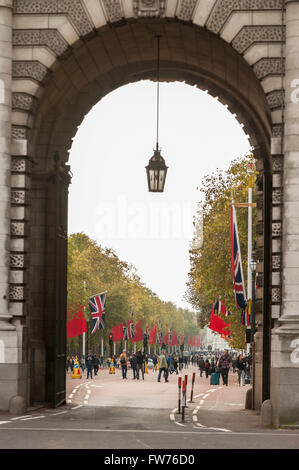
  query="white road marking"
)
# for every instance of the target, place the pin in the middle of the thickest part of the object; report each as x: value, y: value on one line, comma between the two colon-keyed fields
x: 200, y: 425
x: 153, y: 431
x: 33, y: 417
x: 221, y: 429
x: 20, y: 417
x: 4, y: 422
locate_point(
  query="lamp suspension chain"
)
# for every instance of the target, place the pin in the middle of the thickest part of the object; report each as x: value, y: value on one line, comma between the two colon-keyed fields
x: 158, y: 87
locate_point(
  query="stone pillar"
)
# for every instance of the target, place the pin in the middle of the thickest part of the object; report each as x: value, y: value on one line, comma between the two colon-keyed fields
x: 285, y: 339
x: 8, y: 333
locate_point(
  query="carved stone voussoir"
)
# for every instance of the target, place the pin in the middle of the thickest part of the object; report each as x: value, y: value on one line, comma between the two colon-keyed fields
x: 50, y: 38
x: 224, y: 8
x: 186, y: 10
x: 113, y: 10
x: 251, y: 34
x: 29, y: 69
x: 73, y: 8
x: 269, y: 66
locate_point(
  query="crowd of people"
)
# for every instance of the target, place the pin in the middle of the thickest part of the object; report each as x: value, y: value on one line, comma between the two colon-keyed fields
x: 213, y: 363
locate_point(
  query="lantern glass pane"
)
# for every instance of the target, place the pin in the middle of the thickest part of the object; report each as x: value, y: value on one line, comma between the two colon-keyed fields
x: 161, y: 180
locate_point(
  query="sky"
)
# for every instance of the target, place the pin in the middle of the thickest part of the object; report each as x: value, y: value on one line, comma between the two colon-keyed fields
x: 109, y: 199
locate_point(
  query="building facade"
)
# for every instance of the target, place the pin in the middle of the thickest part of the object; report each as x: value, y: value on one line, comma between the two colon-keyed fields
x: 57, y: 59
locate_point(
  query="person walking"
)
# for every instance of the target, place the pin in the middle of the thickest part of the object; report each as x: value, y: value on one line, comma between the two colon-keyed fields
x: 225, y: 363
x: 82, y: 364
x: 207, y: 368
x: 95, y: 364
x: 89, y: 364
x: 124, y: 363
x: 240, y: 366
x: 155, y: 362
x: 163, y: 367
x: 213, y: 366
x: 140, y: 364
x: 201, y: 365
x: 234, y: 363
x: 134, y: 365
x: 175, y: 364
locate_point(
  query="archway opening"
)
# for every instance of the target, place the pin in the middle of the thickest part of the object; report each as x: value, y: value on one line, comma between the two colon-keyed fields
x: 68, y: 95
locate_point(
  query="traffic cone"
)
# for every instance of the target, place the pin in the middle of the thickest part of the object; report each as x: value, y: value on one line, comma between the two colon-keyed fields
x: 76, y: 370
x: 112, y: 368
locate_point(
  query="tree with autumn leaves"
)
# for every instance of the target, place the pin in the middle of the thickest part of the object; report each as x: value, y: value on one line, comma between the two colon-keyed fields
x: 210, y: 277
x: 93, y: 269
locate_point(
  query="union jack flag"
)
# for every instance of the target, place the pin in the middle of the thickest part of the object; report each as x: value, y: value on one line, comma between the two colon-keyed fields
x: 159, y: 336
x: 98, y: 310
x: 125, y: 333
x: 131, y: 329
x: 238, y: 278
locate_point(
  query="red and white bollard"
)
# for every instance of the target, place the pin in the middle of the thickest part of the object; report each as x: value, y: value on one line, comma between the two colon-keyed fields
x: 180, y: 388
x: 193, y: 380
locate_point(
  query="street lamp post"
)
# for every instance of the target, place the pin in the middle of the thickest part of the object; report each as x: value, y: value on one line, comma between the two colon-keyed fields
x: 253, y: 277
x: 250, y: 171
x: 144, y: 342
x: 252, y: 322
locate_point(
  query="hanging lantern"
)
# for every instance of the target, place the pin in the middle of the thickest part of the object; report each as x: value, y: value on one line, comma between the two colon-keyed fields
x: 156, y: 173
x: 157, y: 169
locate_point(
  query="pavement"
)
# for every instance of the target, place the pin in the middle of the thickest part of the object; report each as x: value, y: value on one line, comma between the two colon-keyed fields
x: 107, y: 412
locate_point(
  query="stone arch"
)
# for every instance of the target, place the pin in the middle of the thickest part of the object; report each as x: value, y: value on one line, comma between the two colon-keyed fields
x: 114, y: 57
x: 78, y: 79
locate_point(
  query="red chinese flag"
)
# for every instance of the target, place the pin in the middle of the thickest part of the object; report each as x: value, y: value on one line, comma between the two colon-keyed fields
x: 218, y: 324
x: 77, y: 325
x: 138, y: 332
x: 165, y: 339
x: 153, y: 335
x: 117, y: 332
x: 174, y: 339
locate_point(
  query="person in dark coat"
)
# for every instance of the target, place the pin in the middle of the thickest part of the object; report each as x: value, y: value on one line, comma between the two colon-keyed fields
x: 201, y: 365
x: 133, y: 362
x: 140, y: 364
x: 207, y: 368
x: 225, y: 363
x: 89, y: 364
x: 96, y: 363
x: 240, y: 366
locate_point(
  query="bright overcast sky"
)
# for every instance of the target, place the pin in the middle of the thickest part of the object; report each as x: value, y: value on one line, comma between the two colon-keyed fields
x: 109, y: 198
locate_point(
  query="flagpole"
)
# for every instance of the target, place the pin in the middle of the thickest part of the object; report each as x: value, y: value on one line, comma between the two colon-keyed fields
x: 84, y: 345
x: 250, y: 171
